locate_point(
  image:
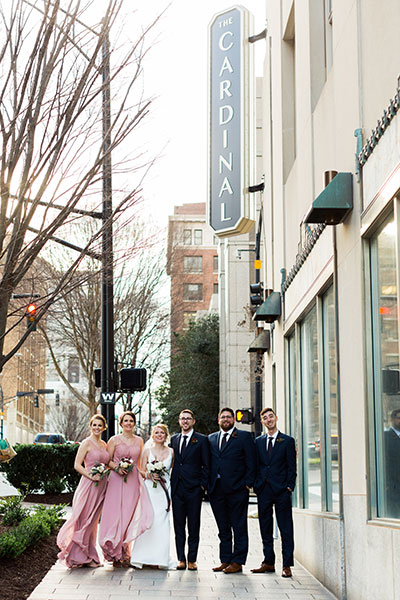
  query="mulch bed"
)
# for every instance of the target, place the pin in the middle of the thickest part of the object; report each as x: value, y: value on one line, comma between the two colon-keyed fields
x: 19, y: 576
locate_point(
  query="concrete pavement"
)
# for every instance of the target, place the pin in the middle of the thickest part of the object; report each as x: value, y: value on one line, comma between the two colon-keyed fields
x: 107, y: 583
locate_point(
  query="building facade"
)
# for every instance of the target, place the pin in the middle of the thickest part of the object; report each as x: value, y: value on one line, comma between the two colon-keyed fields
x: 331, y: 162
x: 192, y: 264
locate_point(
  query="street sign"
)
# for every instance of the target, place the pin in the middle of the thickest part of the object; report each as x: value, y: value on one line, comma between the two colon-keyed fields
x: 231, y: 207
x: 107, y: 398
x: 45, y: 391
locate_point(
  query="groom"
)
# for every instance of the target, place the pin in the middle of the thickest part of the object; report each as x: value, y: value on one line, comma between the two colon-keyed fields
x: 188, y: 482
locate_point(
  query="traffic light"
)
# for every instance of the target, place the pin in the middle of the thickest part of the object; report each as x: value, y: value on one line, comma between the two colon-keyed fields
x: 36, y: 401
x: 256, y: 293
x: 245, y: 416
x: 31, y: 310
x: 133, y: 380
x: 57, y: 399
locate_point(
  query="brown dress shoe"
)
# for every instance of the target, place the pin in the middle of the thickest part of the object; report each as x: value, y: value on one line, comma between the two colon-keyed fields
x: 221, y: 567
x: 265, y: 568
x: 286, y: 572
x: 233, y: 568
x: 181, y: 566
x: 192, y: 566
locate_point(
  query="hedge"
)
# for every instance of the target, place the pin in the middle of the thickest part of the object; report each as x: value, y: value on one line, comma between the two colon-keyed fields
x: 30, y: 530
x: 45, y: 468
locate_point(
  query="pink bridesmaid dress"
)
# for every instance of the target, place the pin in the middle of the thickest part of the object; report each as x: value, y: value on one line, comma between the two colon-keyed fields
x: 77, y: 537
x: 127, y: 510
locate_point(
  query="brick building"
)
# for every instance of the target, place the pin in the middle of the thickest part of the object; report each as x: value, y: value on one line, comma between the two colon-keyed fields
x: 192, y: 264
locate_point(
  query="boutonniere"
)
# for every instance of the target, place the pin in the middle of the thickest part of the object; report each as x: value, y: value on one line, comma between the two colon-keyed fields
x: 234, y: 434
x: 194, y: 440
x: 279, y: 440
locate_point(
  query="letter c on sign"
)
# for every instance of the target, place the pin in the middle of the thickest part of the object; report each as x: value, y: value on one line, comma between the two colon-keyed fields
x: 221, y: 41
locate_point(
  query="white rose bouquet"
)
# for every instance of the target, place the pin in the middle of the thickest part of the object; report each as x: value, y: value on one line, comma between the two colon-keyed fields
x: 157, y: 467
x: 100, y: 469
x: 127, y: 464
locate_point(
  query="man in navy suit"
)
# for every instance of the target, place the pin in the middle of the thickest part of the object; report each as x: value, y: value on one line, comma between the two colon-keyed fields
x: 392, y: 466
x: 275, y: 481
x: 232, y: 471
x: 189, y: 480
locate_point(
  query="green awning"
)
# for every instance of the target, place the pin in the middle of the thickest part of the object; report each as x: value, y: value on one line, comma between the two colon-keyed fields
x: 270, y: 309
x: 262, y: 341
x: 334, y: 203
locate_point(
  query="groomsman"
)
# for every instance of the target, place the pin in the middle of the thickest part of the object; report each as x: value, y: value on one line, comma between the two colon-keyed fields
x: 274, y: 484
x: 189, y: 480
x: 232, y: 472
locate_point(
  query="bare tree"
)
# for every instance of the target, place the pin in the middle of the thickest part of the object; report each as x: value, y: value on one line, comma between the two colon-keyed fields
x: 52, y: 82
x: 140, y: 316
x: 71, y: 419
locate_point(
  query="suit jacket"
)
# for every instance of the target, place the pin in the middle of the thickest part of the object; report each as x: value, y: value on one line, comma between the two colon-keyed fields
x: 278, y: 469
x: 191, y: 469
x: 235, y: 465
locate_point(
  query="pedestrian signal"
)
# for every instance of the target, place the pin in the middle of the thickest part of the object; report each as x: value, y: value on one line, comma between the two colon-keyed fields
x: 245, y: 416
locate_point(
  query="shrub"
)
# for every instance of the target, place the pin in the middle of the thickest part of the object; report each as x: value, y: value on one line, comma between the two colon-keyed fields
x: 47, y: 467
x: 11, y: 510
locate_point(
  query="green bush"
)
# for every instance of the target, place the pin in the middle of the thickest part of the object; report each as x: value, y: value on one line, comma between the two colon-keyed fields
x: 32, y: 529
x: 11, y: 510
x: 43, y: 467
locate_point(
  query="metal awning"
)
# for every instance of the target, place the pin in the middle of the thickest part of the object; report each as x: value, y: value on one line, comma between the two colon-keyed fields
x: 334, y: 203
x: 270, y: 309
x: 262, y: 342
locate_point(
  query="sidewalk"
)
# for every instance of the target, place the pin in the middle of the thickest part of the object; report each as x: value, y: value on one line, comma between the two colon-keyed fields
x: 108, y: 583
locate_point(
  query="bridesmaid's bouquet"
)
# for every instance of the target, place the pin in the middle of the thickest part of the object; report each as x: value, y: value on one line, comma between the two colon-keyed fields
x: 99, y: 469
x: 157, y: 467
x: 127, y: 464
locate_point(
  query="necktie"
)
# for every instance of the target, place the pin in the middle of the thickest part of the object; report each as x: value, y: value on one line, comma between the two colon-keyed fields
x: 224, y: 440
x: 184, y: 443
x: 269, y: 449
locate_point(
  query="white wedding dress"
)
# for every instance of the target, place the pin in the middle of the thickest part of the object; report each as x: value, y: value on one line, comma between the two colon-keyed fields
x: 152, y: 547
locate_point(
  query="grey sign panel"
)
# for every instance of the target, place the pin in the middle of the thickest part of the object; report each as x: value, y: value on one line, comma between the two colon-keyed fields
x: 107, y: 398
x: 230, y: 132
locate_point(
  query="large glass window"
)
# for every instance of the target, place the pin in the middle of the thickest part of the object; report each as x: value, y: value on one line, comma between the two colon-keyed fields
x: 311, y: 380
x: 310, y: 404
x: 386, y: 387
x: 331, y: 404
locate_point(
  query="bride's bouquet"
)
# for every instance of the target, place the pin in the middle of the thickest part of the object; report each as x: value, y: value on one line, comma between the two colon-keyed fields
x: 127, y: 464
x: 157, y: 467
x: 99, y: 469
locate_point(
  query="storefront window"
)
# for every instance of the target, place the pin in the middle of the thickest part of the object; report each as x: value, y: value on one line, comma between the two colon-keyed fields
x: 310, y: 404
x: 384, y: 305
x: 331, y: 404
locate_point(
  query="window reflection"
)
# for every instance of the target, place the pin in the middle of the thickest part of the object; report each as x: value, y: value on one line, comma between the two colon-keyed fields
x: 386, y: 370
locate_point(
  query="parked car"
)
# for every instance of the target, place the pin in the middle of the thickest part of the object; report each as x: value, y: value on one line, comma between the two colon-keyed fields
x: 49, y: 438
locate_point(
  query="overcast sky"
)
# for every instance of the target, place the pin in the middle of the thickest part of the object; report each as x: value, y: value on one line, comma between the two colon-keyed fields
x: 176, y: 76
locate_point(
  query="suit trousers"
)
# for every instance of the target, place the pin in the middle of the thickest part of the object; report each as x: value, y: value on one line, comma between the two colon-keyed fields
x: 283, y: 512
x: 186, y: 509
x: 230, y: 512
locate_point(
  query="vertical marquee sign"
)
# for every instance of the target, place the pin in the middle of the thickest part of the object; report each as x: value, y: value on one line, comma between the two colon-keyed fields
x: 231, y: 123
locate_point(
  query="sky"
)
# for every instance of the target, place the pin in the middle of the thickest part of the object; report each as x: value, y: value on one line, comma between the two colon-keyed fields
x: 175, y: 75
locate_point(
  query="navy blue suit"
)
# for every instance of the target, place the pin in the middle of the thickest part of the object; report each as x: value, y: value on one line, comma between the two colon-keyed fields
x: 276, y: 472
x: 231, y: 470
x: 189, y: 475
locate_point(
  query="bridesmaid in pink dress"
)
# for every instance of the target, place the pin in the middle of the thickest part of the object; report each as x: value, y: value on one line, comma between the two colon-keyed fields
x: 77, y: 537
x: 127, y: 510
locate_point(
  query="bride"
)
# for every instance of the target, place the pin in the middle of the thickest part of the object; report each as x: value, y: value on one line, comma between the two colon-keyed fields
x: 152, y: 547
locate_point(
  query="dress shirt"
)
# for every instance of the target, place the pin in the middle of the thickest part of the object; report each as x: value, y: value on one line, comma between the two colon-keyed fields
x: 188, y: 437
x: 274, y: 436
x: 222, y: 432
x: 397, y: 432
